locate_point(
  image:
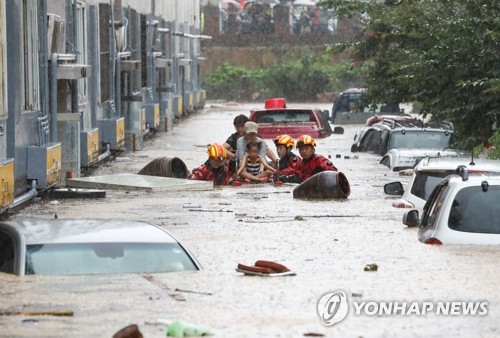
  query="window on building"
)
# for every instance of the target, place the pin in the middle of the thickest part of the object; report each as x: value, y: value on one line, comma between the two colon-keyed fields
x: 104, y: 51
x: 82, y: 50
x: 31, y: 76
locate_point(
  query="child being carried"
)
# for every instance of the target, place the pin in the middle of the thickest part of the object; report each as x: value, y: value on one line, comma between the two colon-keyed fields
x: 253, y: 166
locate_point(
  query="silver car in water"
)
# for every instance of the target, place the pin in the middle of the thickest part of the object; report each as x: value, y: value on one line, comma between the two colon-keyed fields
x: 89, y: 246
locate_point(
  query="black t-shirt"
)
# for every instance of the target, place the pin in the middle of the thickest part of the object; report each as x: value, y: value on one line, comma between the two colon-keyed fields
x: 231, y: 140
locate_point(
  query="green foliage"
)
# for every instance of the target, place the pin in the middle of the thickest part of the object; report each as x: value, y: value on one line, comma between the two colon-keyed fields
x: 493, y: 153
x: 443, y: 54
x: 300, y: 78
x: 226, y: 82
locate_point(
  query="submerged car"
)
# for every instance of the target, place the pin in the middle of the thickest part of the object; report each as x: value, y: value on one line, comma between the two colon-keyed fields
x: 405, y: 118
x: 428, y: 173
x: 402, y: 145
x: 89, y: 246
x: 462, y: 209
x: 351, y: 107
x: 276, y: 119
x: 408, y: 146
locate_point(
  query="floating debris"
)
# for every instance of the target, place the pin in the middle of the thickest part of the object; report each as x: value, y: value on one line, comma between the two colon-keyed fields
x: 371, y: 267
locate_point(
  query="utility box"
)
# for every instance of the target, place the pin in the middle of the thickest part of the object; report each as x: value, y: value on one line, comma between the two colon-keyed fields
x: 73, y: 71
x: 89, y: 147
x: 197, y: 98
x: 112, y: 132
x: 7, y: 183
x: 153, y: 115
x: 177, y: 106
x: 187, y: 102
x: 44, y: 164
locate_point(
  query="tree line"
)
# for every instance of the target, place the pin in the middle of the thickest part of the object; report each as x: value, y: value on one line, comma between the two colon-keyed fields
x: 443, y: 54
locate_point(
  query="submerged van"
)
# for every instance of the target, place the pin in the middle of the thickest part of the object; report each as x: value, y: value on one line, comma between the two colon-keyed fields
x: 351, y: 107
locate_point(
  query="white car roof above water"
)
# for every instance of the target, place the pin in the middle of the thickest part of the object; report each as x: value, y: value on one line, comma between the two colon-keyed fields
x: 450, y: 163
x: 44, y: 231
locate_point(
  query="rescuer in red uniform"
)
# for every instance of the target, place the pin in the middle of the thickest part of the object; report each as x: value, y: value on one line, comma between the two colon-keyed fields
x: 311, y: 164
x: 215, y: 168
x: 288, y: 161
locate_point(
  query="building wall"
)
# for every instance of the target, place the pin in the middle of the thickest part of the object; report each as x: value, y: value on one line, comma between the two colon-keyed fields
x: 20, y: 125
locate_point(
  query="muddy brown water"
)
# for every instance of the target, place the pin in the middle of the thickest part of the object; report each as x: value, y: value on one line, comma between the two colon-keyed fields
x: 327, y: 243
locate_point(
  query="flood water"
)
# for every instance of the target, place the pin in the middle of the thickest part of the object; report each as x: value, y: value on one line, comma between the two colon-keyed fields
x: 327, y: 243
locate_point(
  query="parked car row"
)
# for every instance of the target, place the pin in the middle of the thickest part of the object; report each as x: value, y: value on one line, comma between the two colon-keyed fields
x: 403, y: 144
x: 454, y: 199
x: 457, y: 199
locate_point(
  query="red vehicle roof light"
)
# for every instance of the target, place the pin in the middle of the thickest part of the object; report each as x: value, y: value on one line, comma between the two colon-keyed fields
x: 433, y: 240
x: 275, y: 103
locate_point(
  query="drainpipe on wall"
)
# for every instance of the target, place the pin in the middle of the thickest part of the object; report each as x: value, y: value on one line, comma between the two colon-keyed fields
x: 118, y: 80
x: 25, y: 197
x: 74, y: 83
x: 43, y: 60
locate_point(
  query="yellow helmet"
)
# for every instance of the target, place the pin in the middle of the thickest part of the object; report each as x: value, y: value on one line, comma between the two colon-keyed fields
x: 217, y: 151
x: 304, y: 140
x: 285, y: 140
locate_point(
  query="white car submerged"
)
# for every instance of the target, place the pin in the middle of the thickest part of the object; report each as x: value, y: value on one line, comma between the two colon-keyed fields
x: 428, y: 173
x: 462, y: 209
x: 89, y: 246
x: 404, y: 158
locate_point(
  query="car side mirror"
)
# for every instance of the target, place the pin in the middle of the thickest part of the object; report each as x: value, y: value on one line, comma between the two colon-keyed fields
x: 394, y: 188
x: 410, y: 218
x: 338, y: 130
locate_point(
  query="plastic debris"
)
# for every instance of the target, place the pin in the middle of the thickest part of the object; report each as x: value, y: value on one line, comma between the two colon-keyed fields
x: 180, y: 328
x: 191, y: 206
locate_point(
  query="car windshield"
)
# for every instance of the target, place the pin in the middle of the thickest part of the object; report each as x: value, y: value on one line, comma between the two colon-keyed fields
x: 284, y: 116
x: 106, y: 258
x: 476, y: 210
x: 426, y: 181
x: 419, y: 140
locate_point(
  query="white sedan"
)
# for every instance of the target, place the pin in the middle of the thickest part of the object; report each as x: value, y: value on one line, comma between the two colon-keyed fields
x: 89, y: 246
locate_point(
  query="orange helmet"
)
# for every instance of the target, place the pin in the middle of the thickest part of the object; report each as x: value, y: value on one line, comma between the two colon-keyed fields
x: 217, y: 151
x: 285, y: 140
x: 305, y: 139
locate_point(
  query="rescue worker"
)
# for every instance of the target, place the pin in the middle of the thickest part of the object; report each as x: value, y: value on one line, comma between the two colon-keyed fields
x: 215, y: 168
x: 312, y: 163
x: 288, y: 161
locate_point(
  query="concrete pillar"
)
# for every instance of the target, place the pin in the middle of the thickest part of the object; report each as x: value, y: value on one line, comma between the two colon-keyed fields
x: 68, y: 131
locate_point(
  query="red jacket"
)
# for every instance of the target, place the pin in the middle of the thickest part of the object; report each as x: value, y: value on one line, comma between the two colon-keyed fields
x: 314, y: 165
x: 307, y: 168
x: 207, y: 173
x: 290, y: 165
